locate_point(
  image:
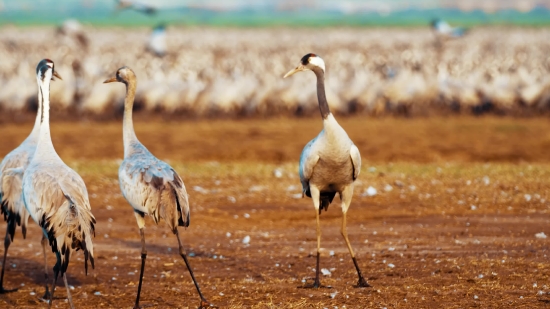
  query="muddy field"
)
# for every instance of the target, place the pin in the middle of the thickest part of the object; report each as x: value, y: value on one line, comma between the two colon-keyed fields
x: 453, y: 224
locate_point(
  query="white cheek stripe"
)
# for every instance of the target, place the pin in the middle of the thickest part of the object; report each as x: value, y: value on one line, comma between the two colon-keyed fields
x: 318, y: 62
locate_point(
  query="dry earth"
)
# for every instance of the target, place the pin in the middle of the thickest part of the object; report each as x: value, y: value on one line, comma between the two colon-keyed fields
x: 459, y: 202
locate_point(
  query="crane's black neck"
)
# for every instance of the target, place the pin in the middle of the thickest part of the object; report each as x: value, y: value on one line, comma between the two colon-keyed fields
x: 321, y: 97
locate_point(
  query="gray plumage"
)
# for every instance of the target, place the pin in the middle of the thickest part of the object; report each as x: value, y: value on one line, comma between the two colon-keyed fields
x: 150, y: 185
x: 56, y: 197
x: 12, y: 168
x: 11, y: 174
x: 329, y: 164
x: 330, y: 161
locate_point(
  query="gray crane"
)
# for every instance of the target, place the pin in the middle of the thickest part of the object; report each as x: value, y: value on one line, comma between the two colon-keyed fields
x: 329, y: 164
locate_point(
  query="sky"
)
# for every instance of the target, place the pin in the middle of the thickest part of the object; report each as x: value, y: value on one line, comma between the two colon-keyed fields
x: 344, y: 6
x: 279, y: 12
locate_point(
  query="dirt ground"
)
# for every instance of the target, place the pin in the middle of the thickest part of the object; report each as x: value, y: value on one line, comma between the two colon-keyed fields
x: 453, y: 224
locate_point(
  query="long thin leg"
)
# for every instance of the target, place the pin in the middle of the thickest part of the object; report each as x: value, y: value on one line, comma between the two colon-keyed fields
x: 204, y: 302
x: 68, y: 291
x: 362, y: 283
x: 346, y: 195
x: 315, y: 195
x: 44, y: 243
x: 7, y: 242
x: 56, y: 270
x: 143, y: 257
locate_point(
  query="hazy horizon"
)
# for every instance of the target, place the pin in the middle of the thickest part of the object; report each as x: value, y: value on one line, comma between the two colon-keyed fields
x: 278, y: 12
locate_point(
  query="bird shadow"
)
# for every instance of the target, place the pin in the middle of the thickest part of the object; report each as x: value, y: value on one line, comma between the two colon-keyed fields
x: 167, y: 250
x: 33, y: 272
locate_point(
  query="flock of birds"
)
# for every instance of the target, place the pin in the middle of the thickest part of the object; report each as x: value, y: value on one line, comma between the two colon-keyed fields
x: 36, y: 183
x: 234, y: 72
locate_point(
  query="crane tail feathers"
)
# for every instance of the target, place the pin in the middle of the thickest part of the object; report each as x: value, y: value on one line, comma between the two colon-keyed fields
x: 325, y: 199
x: 182, y: 202
x: 70, y: 227
x: 11, y: 203
x: 3, y: 207
x: 11, y: 227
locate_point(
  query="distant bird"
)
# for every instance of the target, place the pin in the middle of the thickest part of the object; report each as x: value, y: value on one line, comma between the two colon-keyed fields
x: 55, y: 196
x: 329, y: 164
x: 157, y: 41
x: 136, y: 6
x: 74, y: 36
x: 442, y: 28
x: 73, y: 29
x: 151, y: 186
x: 11, y: 169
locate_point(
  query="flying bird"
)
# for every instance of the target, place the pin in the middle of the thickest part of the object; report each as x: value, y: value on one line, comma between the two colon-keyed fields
x: 151, y: 186
x: 329, y: 164
x: 55, y: 196
x: 136, y: 6
x: 11, y: 170
x: 442, y: 28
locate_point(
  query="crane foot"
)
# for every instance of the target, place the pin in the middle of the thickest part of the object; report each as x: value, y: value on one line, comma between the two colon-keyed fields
x: 362, y: 283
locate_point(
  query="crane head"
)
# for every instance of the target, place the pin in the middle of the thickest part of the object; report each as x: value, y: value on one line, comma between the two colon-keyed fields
x: 45, y: 65
x: 122, y: 75
x: 308, y: 62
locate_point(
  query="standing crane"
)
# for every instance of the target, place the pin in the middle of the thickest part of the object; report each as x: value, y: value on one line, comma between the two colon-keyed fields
x: 151, y: 186
x: 11, y: 203
x: 55, y: 196
x: 329, y: 164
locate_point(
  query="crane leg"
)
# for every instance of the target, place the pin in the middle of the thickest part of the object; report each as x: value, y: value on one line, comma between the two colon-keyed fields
x: 204, y: 303
x: 361, y: 283
x: 44, y: 243
x: 56, y: 270
x: 143, y: 257
x: 346, y: 200
x: 68, y: 291
x: 7, y: 243
x: 315, y: 195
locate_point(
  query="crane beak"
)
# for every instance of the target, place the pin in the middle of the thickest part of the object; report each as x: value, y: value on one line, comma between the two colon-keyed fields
x: 56, y: 75
x: 111, y: 80
x: 296, y: 70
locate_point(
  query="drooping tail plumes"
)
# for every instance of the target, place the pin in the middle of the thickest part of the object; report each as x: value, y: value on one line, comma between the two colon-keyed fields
x: 11, y: 204
x: 70, y: 227
x: 184, y: 218
x: 325, y: 199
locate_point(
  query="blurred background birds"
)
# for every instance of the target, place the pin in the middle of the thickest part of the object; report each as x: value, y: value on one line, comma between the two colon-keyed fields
x: 441, y: 27
x: 136, y: 5
x: 215, y: 71
x: 234, y: 72
x: 157, y: 41
x: 227, y: 71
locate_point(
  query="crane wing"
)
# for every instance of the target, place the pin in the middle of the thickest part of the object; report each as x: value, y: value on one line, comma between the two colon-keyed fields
x: 152, y: 186
x: 355, y: 160
x: 11, y: 200
x: 308, y: 160
x: 57, y: 199
x: 12, y: 179
x: 74, y: 188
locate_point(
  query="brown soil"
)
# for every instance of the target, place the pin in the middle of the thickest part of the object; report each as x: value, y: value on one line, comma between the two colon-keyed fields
x: 456, y: 230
